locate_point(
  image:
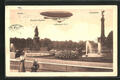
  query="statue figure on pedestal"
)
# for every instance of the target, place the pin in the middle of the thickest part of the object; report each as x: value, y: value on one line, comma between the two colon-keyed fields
x: 36, y: 42
x: 36, y: 32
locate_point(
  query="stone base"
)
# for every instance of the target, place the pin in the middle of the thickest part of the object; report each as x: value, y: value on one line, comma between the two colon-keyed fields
x: 93, y: 55
x: 12, y: 55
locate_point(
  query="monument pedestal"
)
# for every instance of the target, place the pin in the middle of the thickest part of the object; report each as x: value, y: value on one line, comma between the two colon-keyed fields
x: 12, y: 55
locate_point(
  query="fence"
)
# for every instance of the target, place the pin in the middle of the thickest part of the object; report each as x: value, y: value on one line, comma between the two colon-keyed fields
x: 56, y: 67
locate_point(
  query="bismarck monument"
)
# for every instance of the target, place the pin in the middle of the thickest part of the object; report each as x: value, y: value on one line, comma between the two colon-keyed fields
x: 36, y: 41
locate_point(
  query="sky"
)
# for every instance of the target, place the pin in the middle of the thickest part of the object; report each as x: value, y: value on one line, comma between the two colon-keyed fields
x: 85, y: 24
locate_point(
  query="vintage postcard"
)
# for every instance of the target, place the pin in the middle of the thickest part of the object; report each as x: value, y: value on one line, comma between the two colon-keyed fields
x: 61, y: 40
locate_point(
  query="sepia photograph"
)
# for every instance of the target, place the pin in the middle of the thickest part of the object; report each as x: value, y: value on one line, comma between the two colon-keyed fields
x: 61, y: 40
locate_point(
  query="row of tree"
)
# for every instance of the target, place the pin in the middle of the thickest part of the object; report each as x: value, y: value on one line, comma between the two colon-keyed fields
x: 21, y: 43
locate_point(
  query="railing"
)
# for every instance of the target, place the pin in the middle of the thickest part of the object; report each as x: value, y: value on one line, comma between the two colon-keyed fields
x: 46, y: 66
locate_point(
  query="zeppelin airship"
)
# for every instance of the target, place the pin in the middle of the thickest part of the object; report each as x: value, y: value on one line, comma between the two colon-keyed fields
x: 59, y: 16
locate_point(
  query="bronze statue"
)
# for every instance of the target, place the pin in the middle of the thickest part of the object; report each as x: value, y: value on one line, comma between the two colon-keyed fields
x: 103, y: 13
x: 36, y: 31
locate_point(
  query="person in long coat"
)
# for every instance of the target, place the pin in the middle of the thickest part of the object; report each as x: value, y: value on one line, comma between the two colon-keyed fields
x: 22, y: 64
x: 35, y: 66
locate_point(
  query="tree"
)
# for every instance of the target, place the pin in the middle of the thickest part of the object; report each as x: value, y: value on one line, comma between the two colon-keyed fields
x: 29, y: 43
x: 109, y: 40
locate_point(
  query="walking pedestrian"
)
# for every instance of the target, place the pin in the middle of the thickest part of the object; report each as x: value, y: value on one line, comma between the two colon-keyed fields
x: 22, y: 64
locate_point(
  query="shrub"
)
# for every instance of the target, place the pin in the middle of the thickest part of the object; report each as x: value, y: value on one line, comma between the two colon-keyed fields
x: 67, y: 55
x: 52, y: 52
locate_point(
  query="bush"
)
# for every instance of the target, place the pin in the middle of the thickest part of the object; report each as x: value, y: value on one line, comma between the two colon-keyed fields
x: 52, y: 52
x: 67, y: 55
